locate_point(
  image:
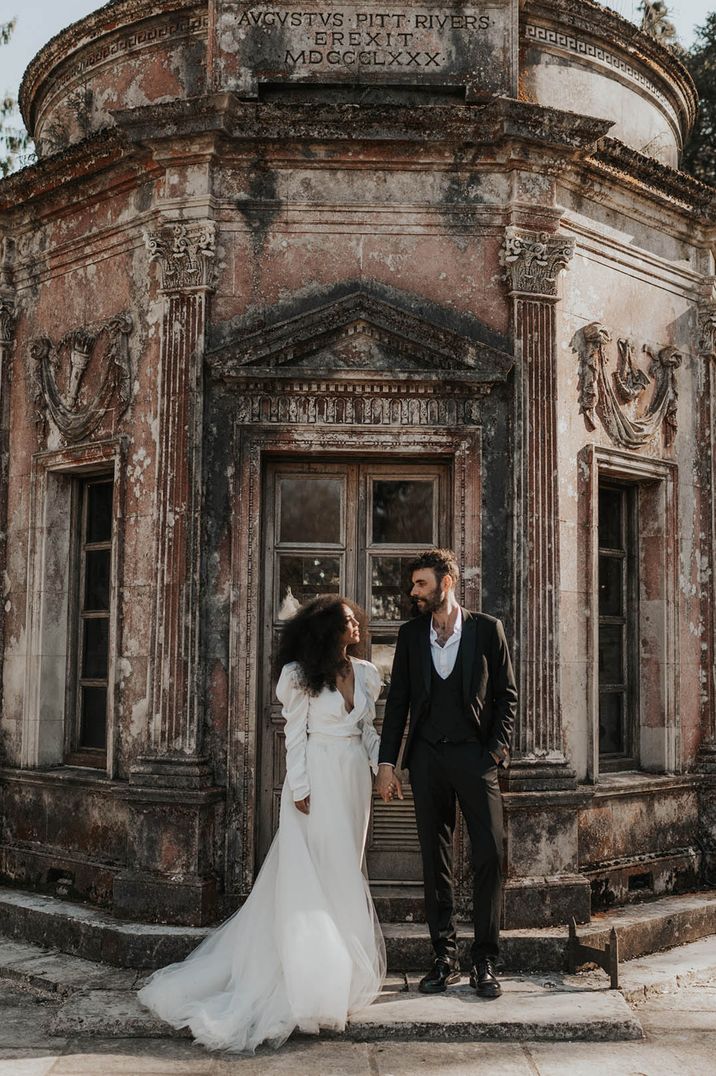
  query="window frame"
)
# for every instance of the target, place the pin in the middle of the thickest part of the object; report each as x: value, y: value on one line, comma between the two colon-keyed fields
x: 656, y: 484
x: 76, y: 753
x: 46, y: 737
x: 628, y: 758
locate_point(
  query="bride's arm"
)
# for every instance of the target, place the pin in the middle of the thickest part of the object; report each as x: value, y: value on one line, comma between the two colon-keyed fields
x: 371, y: 739
x: 294, y: 700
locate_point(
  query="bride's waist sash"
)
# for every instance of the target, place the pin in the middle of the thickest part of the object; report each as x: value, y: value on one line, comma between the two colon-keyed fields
x: 333, y: 737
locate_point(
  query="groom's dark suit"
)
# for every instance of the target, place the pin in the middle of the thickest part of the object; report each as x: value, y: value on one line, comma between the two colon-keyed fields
x: 456, y: 726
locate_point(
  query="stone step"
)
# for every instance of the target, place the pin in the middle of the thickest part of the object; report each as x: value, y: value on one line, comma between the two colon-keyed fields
x: 530, y: 1010
x: 398, y: 903
x: 91, y: 934
x: 641, y: 928
x: 97, y: 1000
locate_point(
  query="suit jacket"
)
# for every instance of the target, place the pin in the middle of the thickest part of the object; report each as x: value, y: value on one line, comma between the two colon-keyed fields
x: 488, y: 685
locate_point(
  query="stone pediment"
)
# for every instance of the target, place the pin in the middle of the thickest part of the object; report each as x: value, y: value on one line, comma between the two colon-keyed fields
x: 363, y: 332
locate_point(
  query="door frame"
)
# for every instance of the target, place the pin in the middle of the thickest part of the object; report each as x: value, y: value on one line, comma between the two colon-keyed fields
x: 252, y: 444
x: 354, y: 548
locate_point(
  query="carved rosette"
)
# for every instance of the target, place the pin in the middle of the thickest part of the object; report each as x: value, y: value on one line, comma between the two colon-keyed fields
x: 107, y: 345
x: 617, y: 400
x: 534, y: 260
x: 185, y: 254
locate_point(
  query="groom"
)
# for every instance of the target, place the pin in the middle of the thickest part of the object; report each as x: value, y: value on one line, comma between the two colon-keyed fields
x: 452, y: 673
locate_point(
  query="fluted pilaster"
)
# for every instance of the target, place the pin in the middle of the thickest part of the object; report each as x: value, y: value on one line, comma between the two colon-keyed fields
x: 707, y: 483
x: 533, y: 262
x: 8, y: 321
x: 184, y: 254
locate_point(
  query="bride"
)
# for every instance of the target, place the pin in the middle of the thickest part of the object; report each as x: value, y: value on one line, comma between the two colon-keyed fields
x: 305, y: 950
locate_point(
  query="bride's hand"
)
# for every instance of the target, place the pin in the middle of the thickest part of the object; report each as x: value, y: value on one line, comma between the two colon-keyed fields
x: 304, y: 806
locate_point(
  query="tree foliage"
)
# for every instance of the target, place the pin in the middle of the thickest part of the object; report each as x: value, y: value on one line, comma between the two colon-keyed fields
x: 656, y: 23
x: 699, y: 156
x: 14, y: 140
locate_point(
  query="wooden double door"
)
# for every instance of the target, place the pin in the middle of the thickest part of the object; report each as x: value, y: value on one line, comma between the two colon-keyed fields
x: 346, y: 528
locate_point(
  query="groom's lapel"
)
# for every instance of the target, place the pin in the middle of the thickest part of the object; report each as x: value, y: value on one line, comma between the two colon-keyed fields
x: 469, y: 630
x: 426, y: 657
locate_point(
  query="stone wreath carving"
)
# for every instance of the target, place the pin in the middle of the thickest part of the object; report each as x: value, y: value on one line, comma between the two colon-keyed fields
x: 633, y: 404
x: 105, y: 346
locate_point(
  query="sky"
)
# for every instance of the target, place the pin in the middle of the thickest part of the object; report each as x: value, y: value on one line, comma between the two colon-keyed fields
x: 39, y: 20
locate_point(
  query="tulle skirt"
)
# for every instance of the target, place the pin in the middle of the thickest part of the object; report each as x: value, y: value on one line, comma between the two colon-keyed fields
x: 305, y: 950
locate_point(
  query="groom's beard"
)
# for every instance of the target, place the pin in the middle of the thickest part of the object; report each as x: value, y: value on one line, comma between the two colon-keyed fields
x: 432, y: 602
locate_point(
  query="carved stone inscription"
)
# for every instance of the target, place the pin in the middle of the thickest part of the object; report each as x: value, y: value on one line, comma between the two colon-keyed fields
x: 469, y: 46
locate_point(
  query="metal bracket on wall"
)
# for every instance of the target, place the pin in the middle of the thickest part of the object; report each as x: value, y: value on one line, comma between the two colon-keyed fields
x: 607, y: 958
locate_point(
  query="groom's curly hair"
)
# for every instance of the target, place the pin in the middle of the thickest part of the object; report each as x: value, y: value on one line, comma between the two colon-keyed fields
x: 312, y: 637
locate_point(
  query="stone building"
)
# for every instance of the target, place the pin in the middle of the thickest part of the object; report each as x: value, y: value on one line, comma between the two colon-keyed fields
x: 291, y: 293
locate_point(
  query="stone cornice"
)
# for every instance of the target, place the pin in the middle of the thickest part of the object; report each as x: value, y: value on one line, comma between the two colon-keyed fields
x: 94, y: 155
x: 534, y: 260
x: 612, y: 157
x: 83, y: 32
x: 625, y: 37
x: 491, y: 122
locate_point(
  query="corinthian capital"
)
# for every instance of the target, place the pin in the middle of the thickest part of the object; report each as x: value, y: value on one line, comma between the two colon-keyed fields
x: 7, y: 321
x: 185, y: 253
x: 534, y: 260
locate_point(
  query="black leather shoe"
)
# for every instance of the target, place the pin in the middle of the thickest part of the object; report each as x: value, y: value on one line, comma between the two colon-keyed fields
x: 443, y: 973
x: 484, y: 979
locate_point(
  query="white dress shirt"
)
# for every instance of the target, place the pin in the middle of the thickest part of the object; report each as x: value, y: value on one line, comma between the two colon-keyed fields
x: 444, y: 657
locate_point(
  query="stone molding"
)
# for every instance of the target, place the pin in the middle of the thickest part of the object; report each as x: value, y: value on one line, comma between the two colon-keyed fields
x: 79, y: 347
x: 563, y: 41
x: 130, y: 26
x: 369, y: 329
x: 585, y: 19
x: 618, y: 160
x: 615, y: 400
x: 331, y: 402
x: 185, y: 253
x: 534, y: 260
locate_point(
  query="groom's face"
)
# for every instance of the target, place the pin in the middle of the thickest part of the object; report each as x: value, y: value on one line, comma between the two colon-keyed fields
x: 426, y: 592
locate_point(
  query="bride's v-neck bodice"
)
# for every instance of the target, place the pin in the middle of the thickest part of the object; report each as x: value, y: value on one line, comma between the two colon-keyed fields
x: 326, y: 714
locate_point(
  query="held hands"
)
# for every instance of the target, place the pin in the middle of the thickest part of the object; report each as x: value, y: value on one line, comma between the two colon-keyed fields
x: 304, y: 806
x: 388, y: 784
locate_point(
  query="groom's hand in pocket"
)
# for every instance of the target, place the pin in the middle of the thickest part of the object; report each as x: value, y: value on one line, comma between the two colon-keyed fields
x: 304, y: 806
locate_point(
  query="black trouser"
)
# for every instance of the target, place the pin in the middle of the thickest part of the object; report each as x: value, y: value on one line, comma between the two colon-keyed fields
x: 440, y: 774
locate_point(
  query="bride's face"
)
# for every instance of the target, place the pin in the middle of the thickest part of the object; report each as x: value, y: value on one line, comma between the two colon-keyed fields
x: 351, y: 635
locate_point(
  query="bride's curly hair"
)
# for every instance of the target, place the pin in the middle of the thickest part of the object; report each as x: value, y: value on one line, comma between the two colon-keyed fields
x: 312, y: 637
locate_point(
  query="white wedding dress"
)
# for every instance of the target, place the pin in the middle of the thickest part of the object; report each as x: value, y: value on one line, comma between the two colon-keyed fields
x: 306, y: 949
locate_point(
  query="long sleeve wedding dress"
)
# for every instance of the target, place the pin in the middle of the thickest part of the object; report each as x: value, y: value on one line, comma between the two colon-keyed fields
x: 306, y: 949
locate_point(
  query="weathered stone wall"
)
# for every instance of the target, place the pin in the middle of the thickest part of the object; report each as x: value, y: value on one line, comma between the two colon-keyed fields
x: 198, y: 259
x: 134, y: 52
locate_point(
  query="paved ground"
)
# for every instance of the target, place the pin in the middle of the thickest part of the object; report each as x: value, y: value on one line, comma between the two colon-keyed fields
x: 680, y: 1030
